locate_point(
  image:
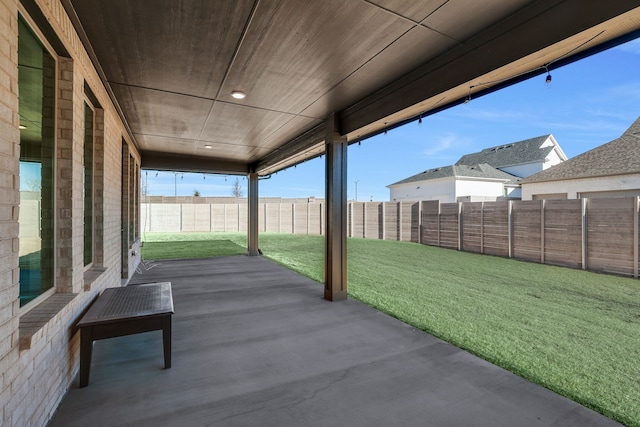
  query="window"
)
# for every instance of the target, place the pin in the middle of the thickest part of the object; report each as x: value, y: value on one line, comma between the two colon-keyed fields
x: 88, y: 187
x: 36, y: 84
x: 130, y: 200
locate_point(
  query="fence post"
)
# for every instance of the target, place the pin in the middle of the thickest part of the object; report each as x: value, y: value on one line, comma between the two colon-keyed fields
x: 439, y: 213
x: 419, y: 222
x: 481, y: 227
x: 584, y: 233
x: 510, y: 226
x: 364, y: 220
x: 542, y: 211
x: 459, y: 226
x: 181, y: 230
x: 635, y: 236
x: 399, y: 222
x: 382, y: 219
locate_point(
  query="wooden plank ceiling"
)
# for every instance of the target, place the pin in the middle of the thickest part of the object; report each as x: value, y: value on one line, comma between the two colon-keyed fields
x: 171, y: 66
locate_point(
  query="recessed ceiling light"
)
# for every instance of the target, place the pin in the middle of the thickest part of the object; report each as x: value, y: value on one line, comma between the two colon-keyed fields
x: 208, y: 146
x: 238, y: 94
x: 22, y: 127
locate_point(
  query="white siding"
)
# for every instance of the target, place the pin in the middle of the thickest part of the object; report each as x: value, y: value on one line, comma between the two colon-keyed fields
x: 553, y: 158
x: 487, y: 189
x: 574, y: 187
x: 447, y: 190
x: 435, y: 189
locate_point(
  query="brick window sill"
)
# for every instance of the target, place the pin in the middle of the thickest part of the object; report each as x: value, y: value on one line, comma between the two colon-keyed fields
x: 34, y: 321
x: 91, y: 276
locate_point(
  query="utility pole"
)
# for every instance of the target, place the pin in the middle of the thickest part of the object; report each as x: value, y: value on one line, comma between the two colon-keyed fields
x: 356, y: 189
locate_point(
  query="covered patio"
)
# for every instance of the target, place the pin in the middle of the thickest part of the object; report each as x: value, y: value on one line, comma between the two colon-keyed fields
x: 94, y: 92
x: 256, y: 344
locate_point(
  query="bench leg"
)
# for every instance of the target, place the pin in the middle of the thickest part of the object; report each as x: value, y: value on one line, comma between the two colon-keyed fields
x: 166, y: 340
x: 86, y: 348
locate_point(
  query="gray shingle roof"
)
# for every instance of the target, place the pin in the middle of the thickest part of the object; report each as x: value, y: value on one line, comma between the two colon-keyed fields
x: 620, y: 156
x: 475, y: 171
x: 515, y: 153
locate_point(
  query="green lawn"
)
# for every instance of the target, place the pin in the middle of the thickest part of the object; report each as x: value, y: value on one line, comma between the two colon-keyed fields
x: 574, y: 332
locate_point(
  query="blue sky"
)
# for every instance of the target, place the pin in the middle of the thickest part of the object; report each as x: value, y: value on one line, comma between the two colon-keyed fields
x: 587, y: 104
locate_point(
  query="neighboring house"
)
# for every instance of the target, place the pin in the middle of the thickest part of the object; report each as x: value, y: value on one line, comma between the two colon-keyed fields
x: 451, y: 183
x: 610, y: 170
x: 522, y: 159
x: 489, y: 174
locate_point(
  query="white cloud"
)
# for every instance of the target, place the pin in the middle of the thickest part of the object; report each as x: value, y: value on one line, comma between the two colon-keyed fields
x: 448, y: 144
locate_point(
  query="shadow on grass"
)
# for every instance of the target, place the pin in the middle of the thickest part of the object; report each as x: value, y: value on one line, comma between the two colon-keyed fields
x: 190, y: 249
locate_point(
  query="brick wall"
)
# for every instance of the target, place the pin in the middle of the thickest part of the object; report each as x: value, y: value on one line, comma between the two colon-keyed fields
x: 39, y: 356
x: 9, y: 199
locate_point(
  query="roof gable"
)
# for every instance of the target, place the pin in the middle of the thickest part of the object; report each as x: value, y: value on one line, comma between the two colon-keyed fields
x: 620, y: 156
x: 481, y: 171
x: 527, y: 151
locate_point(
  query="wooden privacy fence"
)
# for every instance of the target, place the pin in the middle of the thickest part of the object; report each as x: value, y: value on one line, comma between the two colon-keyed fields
x: 594, y: 234
x: 375, y: 220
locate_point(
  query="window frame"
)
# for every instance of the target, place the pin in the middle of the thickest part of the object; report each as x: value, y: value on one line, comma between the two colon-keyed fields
x: 87, y: 103
x: 46, y: 45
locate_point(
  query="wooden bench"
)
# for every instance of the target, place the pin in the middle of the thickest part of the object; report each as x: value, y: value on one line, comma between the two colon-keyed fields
x: 125, y: 311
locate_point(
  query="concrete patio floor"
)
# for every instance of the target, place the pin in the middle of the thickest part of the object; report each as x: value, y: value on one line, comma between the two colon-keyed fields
x: 255, y: 344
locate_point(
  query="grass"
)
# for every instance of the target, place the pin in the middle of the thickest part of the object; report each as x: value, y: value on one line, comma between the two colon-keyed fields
x: 572, y: 331
x: 186, y: 246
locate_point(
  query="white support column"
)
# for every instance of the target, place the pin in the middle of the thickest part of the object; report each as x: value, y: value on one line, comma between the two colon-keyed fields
x: 335, y: 264
x: 252, y: 234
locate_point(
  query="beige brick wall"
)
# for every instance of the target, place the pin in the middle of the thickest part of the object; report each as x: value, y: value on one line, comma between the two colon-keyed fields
x: 9, y: 199
x: 36, y: 370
